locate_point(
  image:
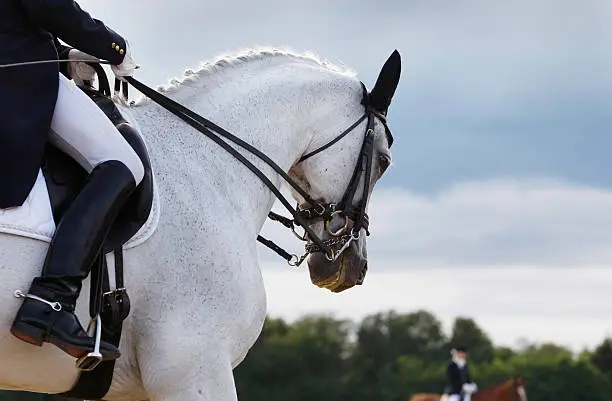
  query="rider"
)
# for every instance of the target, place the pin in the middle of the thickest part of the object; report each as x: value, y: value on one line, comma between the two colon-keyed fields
x: 40, y: 104
x: 459, y: 385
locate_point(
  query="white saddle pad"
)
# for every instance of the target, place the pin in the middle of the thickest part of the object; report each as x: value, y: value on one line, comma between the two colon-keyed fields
x: 34, y: 219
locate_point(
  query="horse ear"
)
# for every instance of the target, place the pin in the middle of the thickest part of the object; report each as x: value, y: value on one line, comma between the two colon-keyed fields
x: 388, y: 78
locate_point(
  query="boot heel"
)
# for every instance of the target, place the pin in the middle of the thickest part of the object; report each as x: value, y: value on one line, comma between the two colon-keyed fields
x: 28, y: 333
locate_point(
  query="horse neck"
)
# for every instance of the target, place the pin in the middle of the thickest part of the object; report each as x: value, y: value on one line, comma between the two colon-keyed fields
x: 492, y: 393
x: 277, y: 106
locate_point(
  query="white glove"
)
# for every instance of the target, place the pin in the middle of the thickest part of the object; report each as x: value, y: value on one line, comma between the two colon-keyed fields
x: 470, y: 388
x: 127, y: 67
x: 80, y: 71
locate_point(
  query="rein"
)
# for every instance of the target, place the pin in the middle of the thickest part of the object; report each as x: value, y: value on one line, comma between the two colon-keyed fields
x: 24, y: 63
x: 341, y: 239
x: 301, y: 216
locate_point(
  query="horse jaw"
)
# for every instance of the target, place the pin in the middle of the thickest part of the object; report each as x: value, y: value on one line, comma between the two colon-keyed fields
x: 327, y: 179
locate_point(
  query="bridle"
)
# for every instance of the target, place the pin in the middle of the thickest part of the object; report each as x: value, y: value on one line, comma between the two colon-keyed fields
x: 342, y: 238
x: 302, y: 216
x: 315, y: 210
x: 519, y: 393
x: 516, y: 392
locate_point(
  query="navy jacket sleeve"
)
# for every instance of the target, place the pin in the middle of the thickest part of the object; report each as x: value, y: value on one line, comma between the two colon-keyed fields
x: 453, y: 379
x: 67, y: 21
x: 62, y: 53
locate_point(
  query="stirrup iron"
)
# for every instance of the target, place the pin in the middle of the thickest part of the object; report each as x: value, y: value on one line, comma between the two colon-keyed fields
x: 90, y: 361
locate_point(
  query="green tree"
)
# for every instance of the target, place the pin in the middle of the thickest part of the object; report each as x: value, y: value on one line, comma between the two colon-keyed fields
x: 546, y: 351
x: 466, y: 332
x: 419, y: 333
x: 503, y: 353
x: 389, y: 357
x: 383, y: 338
x: 602, y: 358
x: 301, y: 361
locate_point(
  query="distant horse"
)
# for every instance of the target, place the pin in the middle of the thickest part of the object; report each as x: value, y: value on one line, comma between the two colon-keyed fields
x: 197, y: 296
x: 509, y: 390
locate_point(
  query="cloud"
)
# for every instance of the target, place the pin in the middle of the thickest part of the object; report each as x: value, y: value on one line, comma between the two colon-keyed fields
x: 500, y: 222
x: 488, y: 88
x: 526, y: 258
x: 569, y: 307
x: 476, y: 37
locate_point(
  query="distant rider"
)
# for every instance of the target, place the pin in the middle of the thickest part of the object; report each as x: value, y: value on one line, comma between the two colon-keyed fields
x: 459, y: 385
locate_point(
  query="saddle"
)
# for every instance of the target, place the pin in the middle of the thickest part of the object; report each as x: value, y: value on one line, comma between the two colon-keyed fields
x: 64, y: 178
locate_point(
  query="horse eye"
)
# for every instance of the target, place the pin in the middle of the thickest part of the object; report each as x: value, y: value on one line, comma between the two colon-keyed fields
x: 383, y: 163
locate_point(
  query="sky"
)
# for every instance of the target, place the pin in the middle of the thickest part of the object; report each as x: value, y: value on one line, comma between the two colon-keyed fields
x: 498, y: 205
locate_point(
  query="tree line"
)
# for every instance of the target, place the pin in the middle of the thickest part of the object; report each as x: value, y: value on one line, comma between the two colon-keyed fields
x: 389, y: 356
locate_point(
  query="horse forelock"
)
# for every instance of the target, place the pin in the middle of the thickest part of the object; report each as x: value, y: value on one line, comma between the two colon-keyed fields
x: 228, y: 61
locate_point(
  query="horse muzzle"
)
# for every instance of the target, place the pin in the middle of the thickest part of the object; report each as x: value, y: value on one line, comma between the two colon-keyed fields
x: 348, y: 270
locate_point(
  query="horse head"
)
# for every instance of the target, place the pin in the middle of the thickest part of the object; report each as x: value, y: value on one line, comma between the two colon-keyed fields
x: 511, y: 390
x: 519, y: 393
x: 340, y: 172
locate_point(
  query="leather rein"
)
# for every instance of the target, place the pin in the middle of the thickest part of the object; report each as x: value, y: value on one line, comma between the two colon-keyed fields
x: 341, y: 239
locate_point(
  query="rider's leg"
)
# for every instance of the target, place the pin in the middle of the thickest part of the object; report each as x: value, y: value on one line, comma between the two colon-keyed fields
x: 82, y: 130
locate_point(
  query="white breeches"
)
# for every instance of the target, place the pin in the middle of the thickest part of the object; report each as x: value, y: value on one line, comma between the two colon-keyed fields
x: 80, y: 129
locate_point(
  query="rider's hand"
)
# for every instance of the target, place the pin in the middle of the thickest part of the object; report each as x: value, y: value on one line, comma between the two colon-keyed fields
x: 127, y: 67
x: 470, y: 387
x: 80, y: 71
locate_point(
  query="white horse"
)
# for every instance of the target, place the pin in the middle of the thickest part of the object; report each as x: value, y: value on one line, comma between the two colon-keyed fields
x: 196, y: 290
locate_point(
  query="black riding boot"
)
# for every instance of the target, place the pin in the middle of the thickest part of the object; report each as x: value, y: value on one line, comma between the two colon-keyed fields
x: 78, y: 240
